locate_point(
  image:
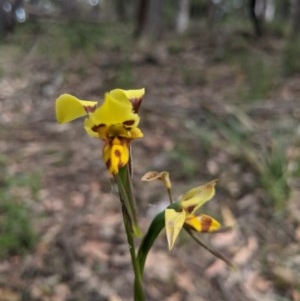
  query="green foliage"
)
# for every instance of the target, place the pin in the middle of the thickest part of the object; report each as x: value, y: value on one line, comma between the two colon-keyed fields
x: 270, y: 165
x: 273, y: 176
x: 291, y: 54
x: 2, y: 72
x: 259, y: 76
x: 82, y: 35
x: 183, y: 161
x: 259, y: 69
x: 16, y: 233
x: 61, y: 40
x: 124, y: 77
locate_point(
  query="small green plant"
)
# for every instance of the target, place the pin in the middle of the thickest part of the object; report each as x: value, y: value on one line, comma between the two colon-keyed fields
x: 17, y: 236
x: 270, y: 164
x: 16, y: 233
x: 259, y: 77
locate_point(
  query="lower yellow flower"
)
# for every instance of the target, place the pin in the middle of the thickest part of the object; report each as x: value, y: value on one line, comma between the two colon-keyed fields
x: 185, y: 215
x: 115, y: 122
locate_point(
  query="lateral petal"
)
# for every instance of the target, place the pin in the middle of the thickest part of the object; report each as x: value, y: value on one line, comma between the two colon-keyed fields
x: 202, y: 223
x: 69, y: 107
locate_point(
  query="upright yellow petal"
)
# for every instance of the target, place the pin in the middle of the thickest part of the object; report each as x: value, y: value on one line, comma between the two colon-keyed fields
x: 198, y: 196
x: 173, y: 222
x: 115, y: 110
x: 69, y: 107
x: 135, y: 96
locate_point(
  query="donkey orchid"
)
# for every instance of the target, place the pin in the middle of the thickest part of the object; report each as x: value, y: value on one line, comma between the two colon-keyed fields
x: 115, y: 122
x: 185, y: 214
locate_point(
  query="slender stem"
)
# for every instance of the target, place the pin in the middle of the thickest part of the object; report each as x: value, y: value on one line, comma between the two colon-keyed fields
x: 138, y: 288
x: 170, y: 195
x: 125, y: 189
x: 210, y: 249
x: 131, y: 227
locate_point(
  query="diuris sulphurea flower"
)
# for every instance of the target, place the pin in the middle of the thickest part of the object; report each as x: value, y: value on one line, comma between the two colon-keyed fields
x: 115, y: 122
x: 186, y: 216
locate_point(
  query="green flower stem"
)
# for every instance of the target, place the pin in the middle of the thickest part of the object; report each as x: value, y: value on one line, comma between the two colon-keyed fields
x: 130, y: 222
x: 138, y: 286
x: 125, y: 189
x: 170, y: 195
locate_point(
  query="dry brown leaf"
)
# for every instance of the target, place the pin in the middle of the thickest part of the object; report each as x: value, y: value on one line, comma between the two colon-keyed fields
x: 185, y: 281
x: 244, y: 254
x: 174, y: 297
x: 95, y: 249
x: 7, y: 294
x: 160, y: 265
x: 216, y: 268
x: 286, y: 275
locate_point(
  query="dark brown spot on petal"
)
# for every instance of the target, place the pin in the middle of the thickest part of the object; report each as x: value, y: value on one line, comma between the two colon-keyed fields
x: 117, y: 153
x: 205, y: 223
x: 190, y: 209
x: 95, y: 128
x: 129, y: 122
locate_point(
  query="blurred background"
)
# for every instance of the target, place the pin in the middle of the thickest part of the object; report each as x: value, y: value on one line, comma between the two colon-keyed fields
x: 222, y: 83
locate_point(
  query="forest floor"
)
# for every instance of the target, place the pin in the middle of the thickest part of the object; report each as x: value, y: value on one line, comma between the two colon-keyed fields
x: 216, y: 106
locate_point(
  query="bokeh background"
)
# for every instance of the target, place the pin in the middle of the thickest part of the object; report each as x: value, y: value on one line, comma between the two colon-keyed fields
x: 222, y: 101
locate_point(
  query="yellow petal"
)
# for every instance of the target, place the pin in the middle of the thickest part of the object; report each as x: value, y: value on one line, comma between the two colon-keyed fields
x: 202, y: 223
x: 115, y: 111
x: 136, y: 98
x: 69, y: 107
x: 173, y: 222
x: 198, y: 196
x: 135, y: 133
x: 135, y: 94
x: 115, y: 155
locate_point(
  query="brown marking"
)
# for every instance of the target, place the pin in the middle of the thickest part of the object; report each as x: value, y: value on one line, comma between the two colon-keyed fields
x: 117, y: 153
x: 90, y: 109
x: 128, y: 123
x: 108, y: 163
x: 190, y: 209
x: 136, y: 103
x: 205, y: 223
x: 95, y: 128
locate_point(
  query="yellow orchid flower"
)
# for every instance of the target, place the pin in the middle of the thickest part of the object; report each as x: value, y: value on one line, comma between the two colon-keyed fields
x: 185, y: 215
x: 115, y: 121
